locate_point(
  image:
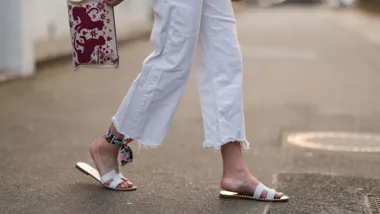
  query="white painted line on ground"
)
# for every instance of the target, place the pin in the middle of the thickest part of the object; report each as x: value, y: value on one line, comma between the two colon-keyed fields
x: 352, y: 142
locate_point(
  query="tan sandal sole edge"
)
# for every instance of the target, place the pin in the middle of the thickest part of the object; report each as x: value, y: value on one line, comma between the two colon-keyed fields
x: 80, y: 166
x: 234, y: 195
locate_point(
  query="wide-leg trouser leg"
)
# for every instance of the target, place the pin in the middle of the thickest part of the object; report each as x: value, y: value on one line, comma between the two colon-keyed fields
x: 149, y: 106
x: 220, y: 81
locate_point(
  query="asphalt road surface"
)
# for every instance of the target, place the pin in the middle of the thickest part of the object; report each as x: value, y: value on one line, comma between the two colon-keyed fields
x: 303, y: 72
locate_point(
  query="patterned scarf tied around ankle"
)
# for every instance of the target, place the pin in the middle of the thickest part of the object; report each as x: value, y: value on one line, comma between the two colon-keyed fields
x: 126, y: 154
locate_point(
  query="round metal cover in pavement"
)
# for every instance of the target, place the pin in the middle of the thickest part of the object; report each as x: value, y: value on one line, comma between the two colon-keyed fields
x: 336, y: 141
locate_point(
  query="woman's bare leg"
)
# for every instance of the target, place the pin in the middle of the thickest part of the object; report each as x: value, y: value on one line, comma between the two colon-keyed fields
x: 148, y: 108
x: 236, y: 175
x: 220, y: 86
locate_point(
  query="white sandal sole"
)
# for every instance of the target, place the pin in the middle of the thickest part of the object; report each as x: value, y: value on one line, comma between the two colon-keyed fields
x: 235, y: 195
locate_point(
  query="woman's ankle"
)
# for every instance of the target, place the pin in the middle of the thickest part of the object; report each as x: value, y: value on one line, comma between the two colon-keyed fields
x: 102, y: 145
x: 232, y: 156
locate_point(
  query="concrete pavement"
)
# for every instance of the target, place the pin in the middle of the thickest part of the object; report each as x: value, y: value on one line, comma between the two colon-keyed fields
x: 303, y: 72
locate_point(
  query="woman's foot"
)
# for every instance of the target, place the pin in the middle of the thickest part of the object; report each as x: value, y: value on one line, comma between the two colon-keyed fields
x: 243, y: 183
x: 236, y: 176
x: 105, y: 156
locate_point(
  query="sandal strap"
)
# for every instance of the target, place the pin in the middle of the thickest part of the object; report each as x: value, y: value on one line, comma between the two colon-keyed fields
x: 117, y: 178
x: 271, y: 194
x: 122, y: 176
x: 108, y: 176
x: 116, y: 181
x: 125, y: 179
x: 259, y: 190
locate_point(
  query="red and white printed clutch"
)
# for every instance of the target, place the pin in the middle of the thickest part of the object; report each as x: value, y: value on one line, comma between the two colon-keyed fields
x: 93, y: 34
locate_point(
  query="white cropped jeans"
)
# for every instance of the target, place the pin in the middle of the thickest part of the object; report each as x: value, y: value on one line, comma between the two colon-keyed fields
x: 148, y: 108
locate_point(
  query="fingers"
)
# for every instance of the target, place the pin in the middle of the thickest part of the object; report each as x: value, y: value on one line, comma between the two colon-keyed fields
x: 113, y: 3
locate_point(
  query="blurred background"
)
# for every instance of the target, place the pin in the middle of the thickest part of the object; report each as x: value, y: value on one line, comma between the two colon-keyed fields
x: 38, y: 30
x: 311, y: 83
